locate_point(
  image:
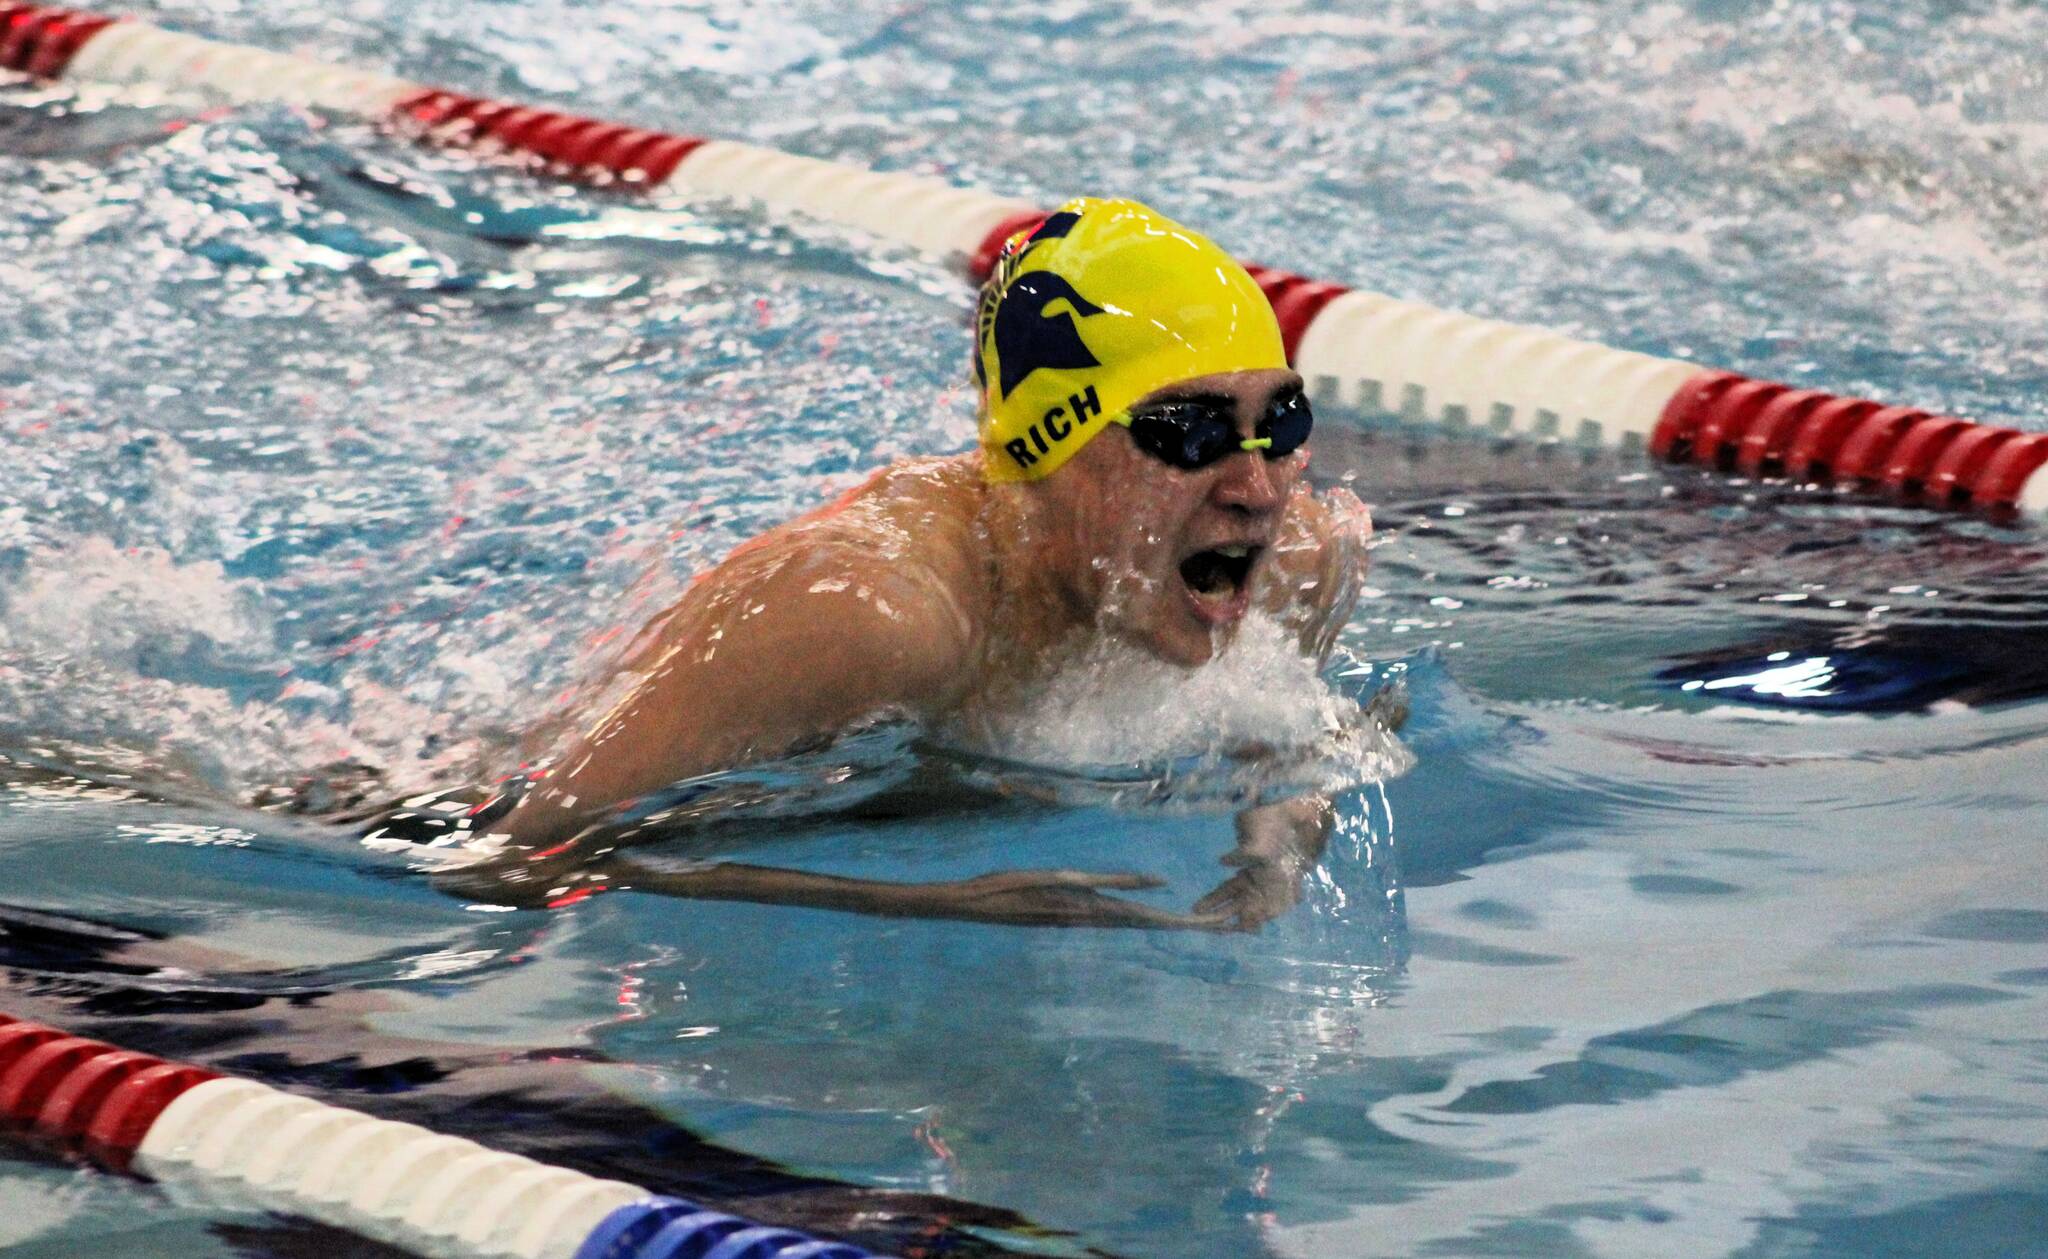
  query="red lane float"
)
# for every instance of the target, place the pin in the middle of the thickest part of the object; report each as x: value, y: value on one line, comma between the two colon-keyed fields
x: 981, y: 260
x: 41, y: 41
x: 1353, y: 345
x: 85, y: 1096
x: 1756, y: 428
x: 569, y: 145
x: 1296, y: 299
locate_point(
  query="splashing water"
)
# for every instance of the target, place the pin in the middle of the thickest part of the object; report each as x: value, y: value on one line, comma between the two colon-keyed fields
x: 1260, y: 716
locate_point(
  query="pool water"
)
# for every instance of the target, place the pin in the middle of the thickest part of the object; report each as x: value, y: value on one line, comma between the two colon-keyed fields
x: 1704, y: 913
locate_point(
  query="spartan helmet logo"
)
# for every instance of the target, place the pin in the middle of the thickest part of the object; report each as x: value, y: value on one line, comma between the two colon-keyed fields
x: 1013, y: 315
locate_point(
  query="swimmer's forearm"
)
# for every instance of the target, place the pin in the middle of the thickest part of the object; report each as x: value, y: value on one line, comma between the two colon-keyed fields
x: 531, y: 881
x: 1025, y: 898
x: 768, y: 885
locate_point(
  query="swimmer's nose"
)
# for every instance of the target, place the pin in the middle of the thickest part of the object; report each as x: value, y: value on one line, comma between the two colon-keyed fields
x: 1246, y: 482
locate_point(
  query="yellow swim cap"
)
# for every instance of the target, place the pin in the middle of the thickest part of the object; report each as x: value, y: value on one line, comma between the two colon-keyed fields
x: 1104, y: 302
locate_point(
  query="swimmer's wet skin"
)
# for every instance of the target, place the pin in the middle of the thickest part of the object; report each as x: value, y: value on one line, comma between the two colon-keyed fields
x: 1137, y: 481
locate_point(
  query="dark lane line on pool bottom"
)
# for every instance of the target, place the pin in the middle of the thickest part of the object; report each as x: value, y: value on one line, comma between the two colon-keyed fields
x: 110, y: 982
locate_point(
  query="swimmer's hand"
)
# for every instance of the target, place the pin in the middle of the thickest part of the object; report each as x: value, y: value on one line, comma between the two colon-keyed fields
x: 1277, y: 845
x: 1259, y: 892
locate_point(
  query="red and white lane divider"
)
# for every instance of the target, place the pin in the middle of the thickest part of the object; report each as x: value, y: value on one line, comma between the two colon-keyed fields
x: 1354, y: 346
x: 395, y: 1182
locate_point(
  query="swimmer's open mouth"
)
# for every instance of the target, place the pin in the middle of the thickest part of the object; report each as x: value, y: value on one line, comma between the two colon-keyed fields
x: 1219, y: 575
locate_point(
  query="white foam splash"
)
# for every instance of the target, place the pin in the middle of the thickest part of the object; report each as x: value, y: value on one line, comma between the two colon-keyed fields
x: 111, y: 605
x: 125, y: 657
x: 1260, y: 699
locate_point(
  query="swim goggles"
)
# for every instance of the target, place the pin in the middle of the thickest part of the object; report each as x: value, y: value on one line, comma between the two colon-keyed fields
x: 1196, y: 432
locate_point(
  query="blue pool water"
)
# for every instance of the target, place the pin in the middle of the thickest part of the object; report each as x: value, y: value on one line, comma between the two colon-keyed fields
x: 1711, y: 918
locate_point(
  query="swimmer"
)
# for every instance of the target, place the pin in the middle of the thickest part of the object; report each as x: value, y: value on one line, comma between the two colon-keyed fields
x: 1138, y: 479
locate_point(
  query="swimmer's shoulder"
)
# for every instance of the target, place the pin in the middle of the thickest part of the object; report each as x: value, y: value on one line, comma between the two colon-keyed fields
x: 887, y: 580
x: 918, y: 519
x: 909, y: 495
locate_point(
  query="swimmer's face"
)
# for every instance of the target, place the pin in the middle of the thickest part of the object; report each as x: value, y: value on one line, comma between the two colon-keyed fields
x: 1164, y: 556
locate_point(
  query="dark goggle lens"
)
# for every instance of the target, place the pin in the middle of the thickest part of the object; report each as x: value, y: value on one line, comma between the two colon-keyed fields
x: 1192, y: 435
x: 1288, y: 423
x: 1185, y: 434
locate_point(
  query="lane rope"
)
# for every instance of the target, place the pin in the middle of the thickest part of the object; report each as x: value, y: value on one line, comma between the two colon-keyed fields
x: 394, y: 1182
x: 1355, y: 347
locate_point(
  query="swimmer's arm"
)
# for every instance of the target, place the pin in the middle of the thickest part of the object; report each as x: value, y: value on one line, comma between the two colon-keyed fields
x: 757, y: 661
x: 1317, y: 566
x: 1022, y: 898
